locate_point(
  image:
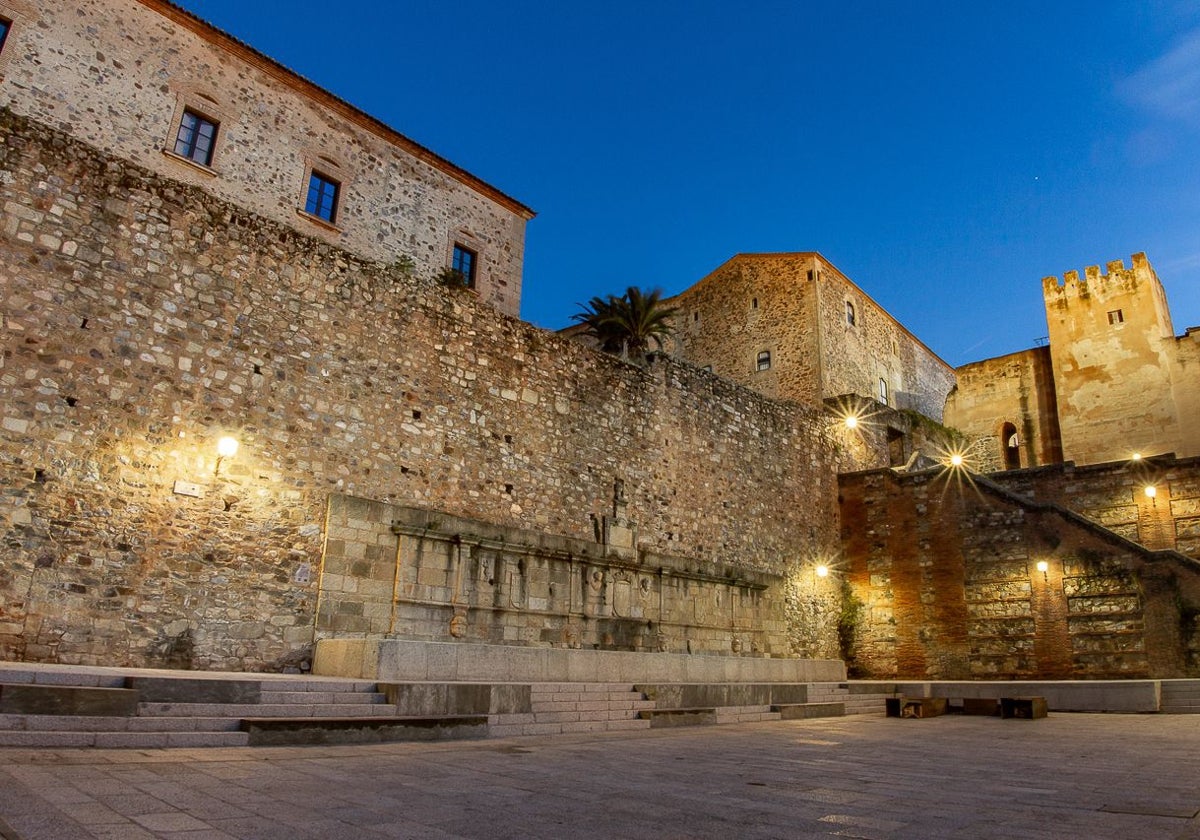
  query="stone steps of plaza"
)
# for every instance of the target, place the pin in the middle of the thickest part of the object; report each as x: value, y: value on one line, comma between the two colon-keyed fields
x: 1180, y: 697
x: 560, y: 708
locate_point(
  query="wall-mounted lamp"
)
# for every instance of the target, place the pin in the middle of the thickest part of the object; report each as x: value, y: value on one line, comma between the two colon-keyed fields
x: 956, y: 460
x: 1150, y: 490
x: 227, y: 447
x: 1137, y: 456
x: 851, y: 421
x: 822, y: 571
x: 1044, y: 568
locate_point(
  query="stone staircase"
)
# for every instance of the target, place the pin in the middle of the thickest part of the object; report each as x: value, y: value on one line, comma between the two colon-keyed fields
x: 1180, y: 697
x: 60, y: 706
x: 559, y: 708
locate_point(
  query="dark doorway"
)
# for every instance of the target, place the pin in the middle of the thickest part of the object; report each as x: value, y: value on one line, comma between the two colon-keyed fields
x: 896, y: 457
x: 1012, y: 447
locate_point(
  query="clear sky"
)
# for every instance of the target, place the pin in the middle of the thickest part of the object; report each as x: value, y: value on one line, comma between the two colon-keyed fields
x: 945, y: 156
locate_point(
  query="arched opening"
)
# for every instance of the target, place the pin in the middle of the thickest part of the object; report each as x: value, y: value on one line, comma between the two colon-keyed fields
x: 1011, y: 447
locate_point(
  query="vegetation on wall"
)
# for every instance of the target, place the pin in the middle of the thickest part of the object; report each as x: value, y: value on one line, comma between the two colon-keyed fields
x: 850, y: 619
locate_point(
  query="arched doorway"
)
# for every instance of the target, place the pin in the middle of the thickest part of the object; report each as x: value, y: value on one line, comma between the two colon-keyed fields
x: 1010, y: 446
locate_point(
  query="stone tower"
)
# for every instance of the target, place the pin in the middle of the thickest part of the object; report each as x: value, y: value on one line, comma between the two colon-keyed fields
x: 1113, y: 352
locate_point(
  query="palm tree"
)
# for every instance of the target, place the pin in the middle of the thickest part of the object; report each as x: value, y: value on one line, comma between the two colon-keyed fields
x: 627, y: 324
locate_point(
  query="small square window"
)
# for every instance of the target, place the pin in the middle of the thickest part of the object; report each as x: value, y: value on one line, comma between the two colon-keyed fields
x: 850, y: 317
x: 883, y: 391
x: 463, y: 265
x: 196, y: 138
x: 1116, y: 316
x: 322, y: 198
x: 764, y: 360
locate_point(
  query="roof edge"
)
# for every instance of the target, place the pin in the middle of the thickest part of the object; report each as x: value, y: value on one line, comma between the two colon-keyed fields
x: 359, y: 117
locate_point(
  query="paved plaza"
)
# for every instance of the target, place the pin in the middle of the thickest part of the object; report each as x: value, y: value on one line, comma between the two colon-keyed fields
x: 1067, y: 776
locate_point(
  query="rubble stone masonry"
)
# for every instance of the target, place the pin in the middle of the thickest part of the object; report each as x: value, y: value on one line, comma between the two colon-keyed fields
x: 118, y: 75
x: 945, y: 567
x: 142, y: 318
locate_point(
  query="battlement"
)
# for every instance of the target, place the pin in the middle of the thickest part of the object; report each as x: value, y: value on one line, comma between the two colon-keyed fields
x: 1093, y: 282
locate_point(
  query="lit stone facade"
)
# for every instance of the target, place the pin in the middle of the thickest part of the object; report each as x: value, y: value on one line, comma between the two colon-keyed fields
x: 143, y: 319
x: 1114, y: 381
x: 793, y: 327
x: 119, y: 75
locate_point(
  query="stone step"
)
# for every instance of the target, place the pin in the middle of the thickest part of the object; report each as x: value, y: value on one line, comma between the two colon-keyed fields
x: 121, y: 740
x: 325, y: 697
x: 281, y: 710
x: 745, y: 714
x: 268, y: 731
x: 806, y: 711
x: 30, y: 699
x: 92, y: 723
x: 512, y: 729
x: 659, y: 718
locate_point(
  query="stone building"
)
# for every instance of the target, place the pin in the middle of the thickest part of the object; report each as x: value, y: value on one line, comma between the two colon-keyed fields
x: 1113, y: 381
x: 793, y: 327
x: 147, y: 82
x: 174, y: 270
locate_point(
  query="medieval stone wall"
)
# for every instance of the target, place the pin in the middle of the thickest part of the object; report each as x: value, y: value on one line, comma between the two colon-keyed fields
x: 1114, y: 495
x: 117, y: 74
x: 946, y: 571
x: 142, y: 319
x: 1013, y: 393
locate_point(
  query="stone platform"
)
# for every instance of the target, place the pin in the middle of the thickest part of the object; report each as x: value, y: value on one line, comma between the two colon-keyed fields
x: 399, y: 660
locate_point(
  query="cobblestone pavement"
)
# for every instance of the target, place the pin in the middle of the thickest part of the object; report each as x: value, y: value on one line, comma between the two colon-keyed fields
x: 1067, y: 776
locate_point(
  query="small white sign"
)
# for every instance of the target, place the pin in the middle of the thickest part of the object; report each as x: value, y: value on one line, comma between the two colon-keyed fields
x: 186, y: 488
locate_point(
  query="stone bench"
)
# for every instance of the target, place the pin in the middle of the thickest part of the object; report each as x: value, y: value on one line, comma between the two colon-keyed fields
x: 697, y: 716
x: 277, y: 731
x: 1027, y: 708
x: 806, y: 711
x: 915, y: 707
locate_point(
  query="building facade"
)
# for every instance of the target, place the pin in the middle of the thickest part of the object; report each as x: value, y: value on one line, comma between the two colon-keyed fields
x: 150, y: 83
x: 793, y: 327
x: 1114, y: 380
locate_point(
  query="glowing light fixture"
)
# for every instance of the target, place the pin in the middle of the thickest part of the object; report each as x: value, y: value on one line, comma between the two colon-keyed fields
x: 227, y: 447
x: 956, y: 460
x: 1137, y: 456
x: 1044, y: 568
x: 851, y: 421
x: 1151, y: 491
x: 822, y: 571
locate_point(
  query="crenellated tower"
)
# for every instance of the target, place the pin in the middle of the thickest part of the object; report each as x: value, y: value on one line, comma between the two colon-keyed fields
x: 1112, y: 349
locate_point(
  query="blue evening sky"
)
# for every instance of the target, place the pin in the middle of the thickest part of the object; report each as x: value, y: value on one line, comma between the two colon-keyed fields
x: 944, y: 155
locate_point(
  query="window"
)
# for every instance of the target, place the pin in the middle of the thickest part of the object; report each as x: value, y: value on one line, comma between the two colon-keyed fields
x: 196, y: 138
x: 322, y: 197
x: 1116, y: 316
x: 850, y: 317
x: 883, y: 391
x: 764, y: 360
x: 463, y: 265
x: 5, y: 25
x: 754, y: 303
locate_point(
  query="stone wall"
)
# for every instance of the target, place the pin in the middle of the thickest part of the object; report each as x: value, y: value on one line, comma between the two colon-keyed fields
x: 117, y: 75
x: 794, y: 306
x: 1012, y: 393
x: 1114, y: 354
x: 1114, y: 495
x: 391, y: 571
x: 946, y: 571
x: 142, y: 319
